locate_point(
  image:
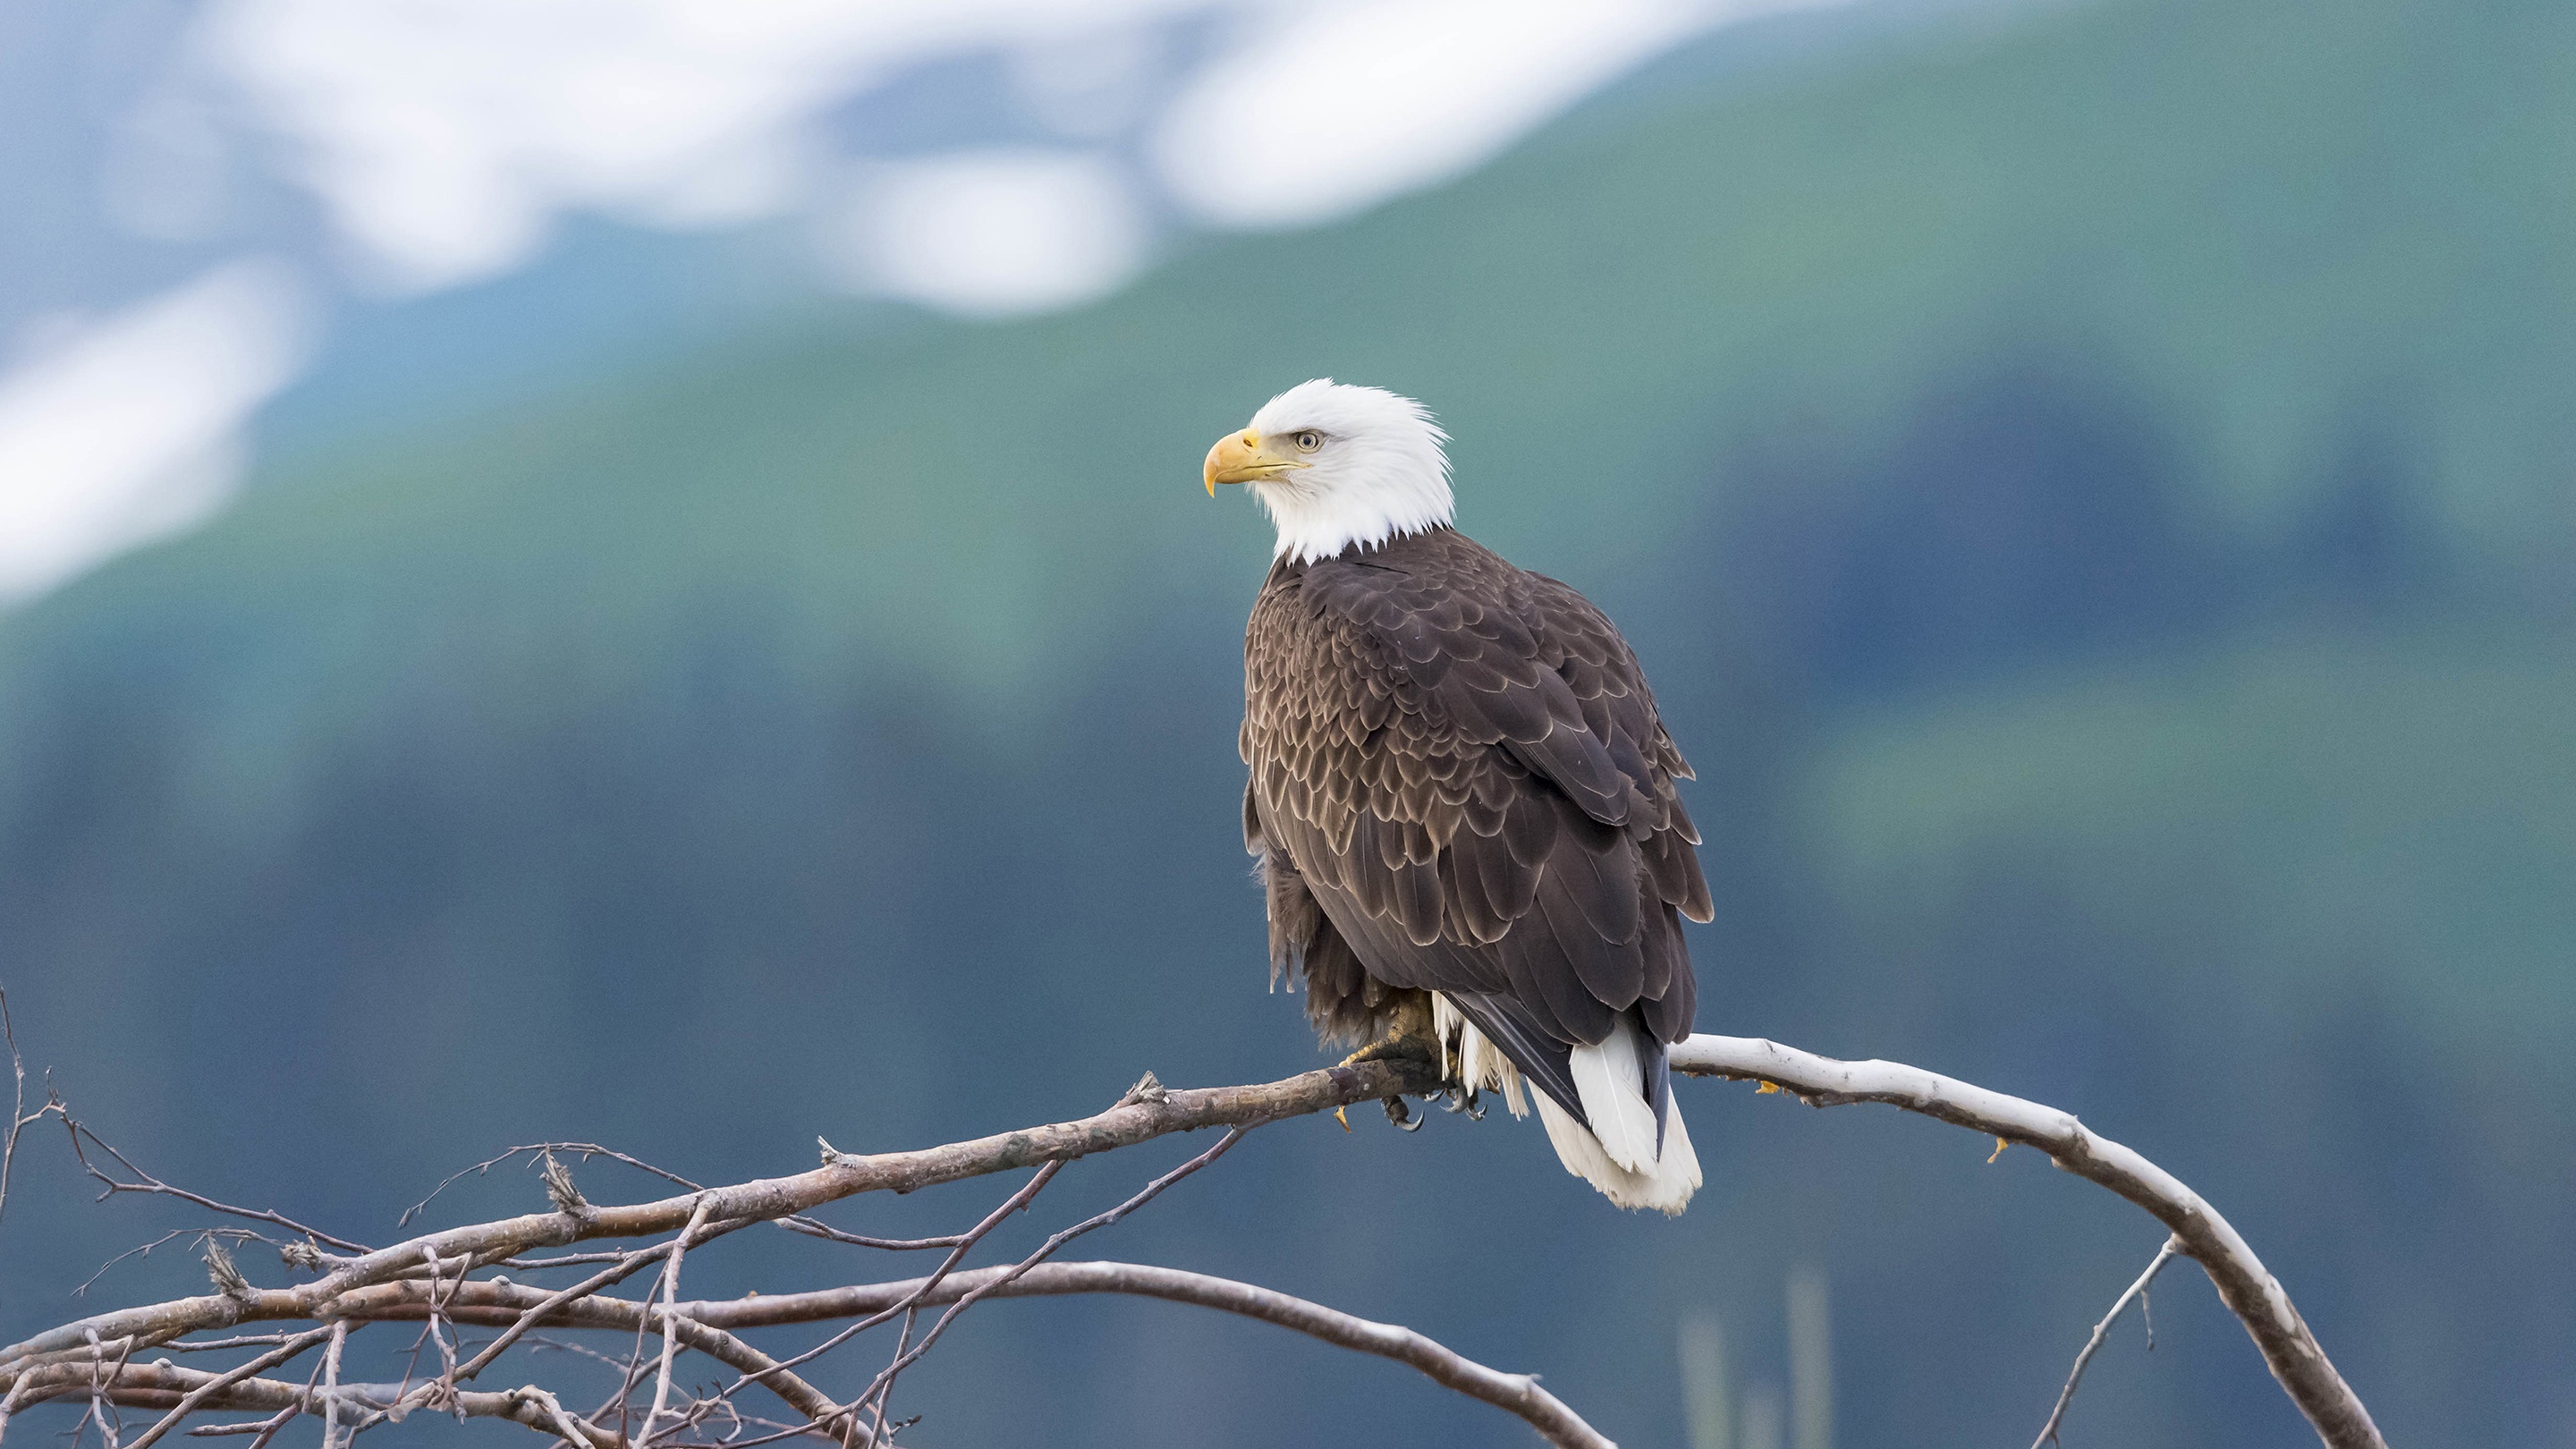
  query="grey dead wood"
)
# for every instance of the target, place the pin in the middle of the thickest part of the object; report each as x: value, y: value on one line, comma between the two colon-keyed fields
x: 387, y: 1283
x: 706, y: 1326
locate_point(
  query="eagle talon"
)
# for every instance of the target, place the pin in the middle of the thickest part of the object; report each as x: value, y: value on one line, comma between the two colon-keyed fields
x: 1461, y: 1099
x: 1338, y: 1116
x: 1402, y: 1116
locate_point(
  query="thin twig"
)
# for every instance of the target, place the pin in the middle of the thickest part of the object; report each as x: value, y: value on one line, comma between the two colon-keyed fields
x: 2101, y: 1331
x: 628, y: 1377
x: 577, y: 1350
x: 19, y: 1116
x: 813, y: 1229
x: 966, y: 1241
x: 583, y: 1149
x: 883, y: 1387
x: 202, y: 1235
x: 154, y: 1186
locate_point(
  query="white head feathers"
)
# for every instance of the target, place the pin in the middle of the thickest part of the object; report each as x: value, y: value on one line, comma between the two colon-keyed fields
x: 1377, y: 471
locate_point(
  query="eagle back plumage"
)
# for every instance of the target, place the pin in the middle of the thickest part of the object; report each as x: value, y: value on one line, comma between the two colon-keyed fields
x: 1459, y: 784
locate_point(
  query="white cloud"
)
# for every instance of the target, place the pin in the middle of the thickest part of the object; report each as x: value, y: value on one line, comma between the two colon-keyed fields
x: 1333, y: 107
x: 992, y: 233
x: 125, y: 431
x: 445, y: 135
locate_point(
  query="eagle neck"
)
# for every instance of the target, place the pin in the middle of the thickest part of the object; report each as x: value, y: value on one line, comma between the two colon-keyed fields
x: 1286, y: 566
x: 1319, y: 523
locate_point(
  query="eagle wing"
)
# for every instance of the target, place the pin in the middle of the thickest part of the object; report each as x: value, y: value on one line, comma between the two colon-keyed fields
x: 1463, y: 767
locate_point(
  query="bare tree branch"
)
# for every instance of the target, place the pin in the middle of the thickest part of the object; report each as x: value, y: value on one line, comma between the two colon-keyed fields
x: 842, y: 1175
x: 704, y: 1325
x: 431, y: 1276
x: 2248, y: 1289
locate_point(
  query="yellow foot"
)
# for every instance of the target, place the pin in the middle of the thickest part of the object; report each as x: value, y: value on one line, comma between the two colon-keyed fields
x: 1394, y: 1048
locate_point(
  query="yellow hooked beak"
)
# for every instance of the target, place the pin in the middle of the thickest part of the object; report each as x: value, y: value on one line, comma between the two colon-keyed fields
x: 1244, y: 458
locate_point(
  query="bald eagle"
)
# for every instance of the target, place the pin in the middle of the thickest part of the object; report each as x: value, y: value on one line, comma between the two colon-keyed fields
x: 1461, y: 798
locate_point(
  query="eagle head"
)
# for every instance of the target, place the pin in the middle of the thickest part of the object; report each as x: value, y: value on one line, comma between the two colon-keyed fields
x: 1337, y: 465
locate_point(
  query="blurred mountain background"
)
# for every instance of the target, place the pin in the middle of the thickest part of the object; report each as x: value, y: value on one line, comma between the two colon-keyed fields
x: 2090, y: 484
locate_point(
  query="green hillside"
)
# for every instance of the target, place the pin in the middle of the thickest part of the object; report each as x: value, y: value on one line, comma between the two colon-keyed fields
x: 2395, y: 813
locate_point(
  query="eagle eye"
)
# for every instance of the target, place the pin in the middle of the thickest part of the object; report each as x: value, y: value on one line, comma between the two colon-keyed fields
x: 1308, y: 441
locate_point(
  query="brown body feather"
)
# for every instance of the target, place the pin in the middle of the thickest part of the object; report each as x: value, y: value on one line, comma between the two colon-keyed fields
x: 1459, y: 784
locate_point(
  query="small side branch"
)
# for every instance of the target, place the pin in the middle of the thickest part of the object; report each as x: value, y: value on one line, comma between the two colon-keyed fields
x: 20, y: 1119
x: 151, y: 1186
x: 884, y: 1382
x: 2244, y: 1284
x: 2101, y: 1332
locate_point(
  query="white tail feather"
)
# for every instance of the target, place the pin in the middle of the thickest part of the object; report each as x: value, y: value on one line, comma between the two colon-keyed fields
x: 1611, y: 1084
x: 1617, y: 1154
